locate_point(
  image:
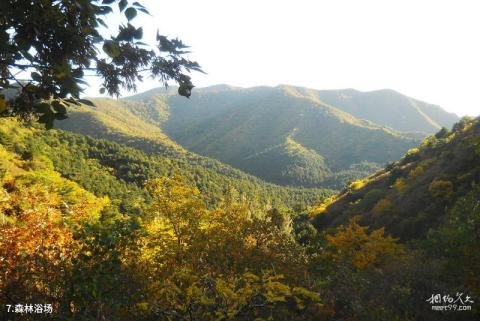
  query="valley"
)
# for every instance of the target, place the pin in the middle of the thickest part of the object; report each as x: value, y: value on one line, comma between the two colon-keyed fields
x: 284, y: 135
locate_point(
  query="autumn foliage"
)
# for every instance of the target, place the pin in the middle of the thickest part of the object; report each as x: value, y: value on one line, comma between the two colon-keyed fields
x: 174, y: 256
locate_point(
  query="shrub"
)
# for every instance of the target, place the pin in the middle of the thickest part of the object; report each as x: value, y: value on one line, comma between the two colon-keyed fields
x: 417, y: 171
x: 442, y: 189
x: 372, y: 197
x: 399, y: 184
x: 429, y: 142
x: 389, y: 166
x: 395, y: 173
x: 358, y: 184
x: 463, y: 124
x: 412, y: 155
x: 323, y: 206
x: 442, y: 133
x: 381, y: 206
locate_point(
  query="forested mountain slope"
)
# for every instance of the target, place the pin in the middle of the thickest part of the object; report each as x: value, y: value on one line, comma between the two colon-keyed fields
x: 389, y: 108
x: 267, y: 117
x: 78, y: 221
x: 117, y: 121
x: 110, y: 169
x: 286, y: 135
x: 413, y: 195
x: 61, y: 244
x: 384, y: 107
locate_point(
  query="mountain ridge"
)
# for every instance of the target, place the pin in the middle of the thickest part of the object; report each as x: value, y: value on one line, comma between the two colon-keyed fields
x: 448, y: 118
x: 236, y: 125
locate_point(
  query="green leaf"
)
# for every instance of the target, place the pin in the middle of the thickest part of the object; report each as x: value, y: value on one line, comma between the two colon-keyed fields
x: 97, y: 39
x: 130, y: 13
x: 59, y: 107
x: 102, y: 90
x: 100, y: 21
x: 72, y: 101
x: 31, y: 88
x: 87, y: 102
x: 138, y: 34
x: 111, y: 48
x: 138, y: 4
x: 43, y: 119
x: 144, y: 10
x: 43, y: 108
x: 141, y: 8
x: 184, y: 91
x: 77, y: 73
x: 46, y: 119
x: 36, y: 76
x: 103, y: 10
x: 81, y: 81
x: 126, y: 33
x: 122, y: 5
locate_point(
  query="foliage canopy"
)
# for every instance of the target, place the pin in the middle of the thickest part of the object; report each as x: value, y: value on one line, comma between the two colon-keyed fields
x: 47, y: 48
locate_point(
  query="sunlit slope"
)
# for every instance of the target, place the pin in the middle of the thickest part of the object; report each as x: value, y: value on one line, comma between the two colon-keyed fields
x: 412, y: 195
x: 235, y: 126
x: 389, y: 108
x: 119, y: 172
x: 116, y: 120
x: 285, y: 135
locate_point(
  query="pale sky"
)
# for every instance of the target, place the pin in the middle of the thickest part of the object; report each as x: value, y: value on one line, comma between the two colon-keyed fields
x: 429, y: 50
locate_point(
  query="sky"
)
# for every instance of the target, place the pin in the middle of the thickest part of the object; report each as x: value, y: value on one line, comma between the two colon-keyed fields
x: 429, y: 50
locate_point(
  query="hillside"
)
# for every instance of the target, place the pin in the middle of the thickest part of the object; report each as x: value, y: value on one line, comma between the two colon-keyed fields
x: 413, y: 195
x: 119, y: 172
x: 390, y: 108
x: 84, y: 218
x: 59, y: 242
x: 265, y: 117
x: 117, y: 121
x: 285, y: 135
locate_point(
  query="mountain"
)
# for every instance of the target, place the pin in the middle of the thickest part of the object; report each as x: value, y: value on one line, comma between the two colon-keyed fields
x: 385, y: 107
x: 413, y: 195
x: 236, y: 126
x: 78, y: 221
x: 389, y: 108
x: 285, y: 135
x: 119, y: 172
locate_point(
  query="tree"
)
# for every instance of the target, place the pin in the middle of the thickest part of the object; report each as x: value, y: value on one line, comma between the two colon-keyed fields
x: 457, y: 241
x: 355, y: 266
x: 245, y: 296
x: 177, y: 215
x: 40, y: 215
x: 220, y: 264
x: 354, y: 245
x: 48, y: 47
x: 441, y: 189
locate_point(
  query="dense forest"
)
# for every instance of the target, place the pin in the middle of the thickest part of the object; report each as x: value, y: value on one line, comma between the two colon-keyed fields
x: 251, y: 204
x: 119, y: 172
x: 104, y: 231
x: 412, y: 195
x: 285, y: 135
